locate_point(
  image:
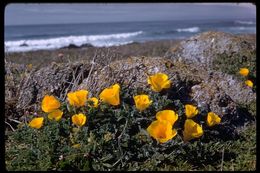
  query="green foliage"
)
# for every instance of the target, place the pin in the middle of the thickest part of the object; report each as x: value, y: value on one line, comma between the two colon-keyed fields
x: 115, y: 138
x: 251, y: 107
x: 232, y: 64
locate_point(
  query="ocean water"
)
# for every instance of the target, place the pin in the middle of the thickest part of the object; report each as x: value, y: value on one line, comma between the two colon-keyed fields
x: 42, y: 37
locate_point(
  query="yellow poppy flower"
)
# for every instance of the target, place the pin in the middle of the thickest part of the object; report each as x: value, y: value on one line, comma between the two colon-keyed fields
x: 191, y: 111
x: 78, y: 98
x: 168, y: 115
x: 56, y: 115
x: 142, y: 102
x: 50, y: 103
x: 213, y: 119
x: 94, y: 102
x: 161, y: 131
x: 243, y: 71
x: 191, y: 130
x: 36, y: 122
x: 249, y: 83
x: 159, y: 81
x: 79, y: 119
x: 111, y: 95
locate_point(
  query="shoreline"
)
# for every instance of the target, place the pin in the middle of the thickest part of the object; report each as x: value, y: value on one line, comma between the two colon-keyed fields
x: 42, y: 58
x: 103, y: 55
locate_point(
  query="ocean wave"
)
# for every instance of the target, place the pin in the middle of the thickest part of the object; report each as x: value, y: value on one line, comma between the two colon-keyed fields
x: 242, y: 28
x: 245, y: 22
x: 192, y: 29
x: 59, y: 42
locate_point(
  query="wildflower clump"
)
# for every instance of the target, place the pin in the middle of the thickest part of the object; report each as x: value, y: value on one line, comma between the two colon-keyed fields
x: 121, y: 125
x: 51, y: 105
x: 245, y: 72
x: 161, y: 129
x: 56, y: 115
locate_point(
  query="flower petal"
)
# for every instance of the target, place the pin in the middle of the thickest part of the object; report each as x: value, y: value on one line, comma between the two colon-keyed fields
x: 111, y: 95
x: 142, y: 102
x: 158, y: 82
x: 50, y: 103
x: 249, y: 83
x: 36, y: 122
x: 213, y: 119
x: 94, y: 102
x: 56, y: 115
x: 191, y: 130
x: 77, y: 98
x: 244, y: 71
x: 168, y: 115
x: 161, y: 131
x: 79, y: 119
x: 190, y: 111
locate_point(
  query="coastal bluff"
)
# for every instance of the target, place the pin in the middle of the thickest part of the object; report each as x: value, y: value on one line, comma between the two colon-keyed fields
x: 194, y: 66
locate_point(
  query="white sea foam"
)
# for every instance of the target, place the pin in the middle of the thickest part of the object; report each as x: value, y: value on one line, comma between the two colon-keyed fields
x: 243, y: 28
x: 245, y: 22
x: 59, y: 42
x: 192, y: 29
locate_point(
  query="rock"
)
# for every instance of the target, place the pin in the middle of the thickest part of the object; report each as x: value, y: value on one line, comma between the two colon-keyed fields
x: 205, y: 47
x: 87, y: 45
x: 218, y: 91
x: 72, y: 46
x: 24, y: 45
x: 133, y: 72
x: 13, y: 75
x: 222, y: 93
x: 57, y: 79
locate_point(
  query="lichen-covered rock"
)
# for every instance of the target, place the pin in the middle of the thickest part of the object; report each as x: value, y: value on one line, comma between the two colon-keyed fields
x: 57, y: 79
x: 133, y: 72
x: 218, y: 91
x: 222, y: 93
x: 14, y: 73
x: 205, y: 47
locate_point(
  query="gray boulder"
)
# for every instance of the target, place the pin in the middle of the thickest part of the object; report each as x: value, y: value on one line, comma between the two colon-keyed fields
x: 218, y: 91
x: 205, y: 47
